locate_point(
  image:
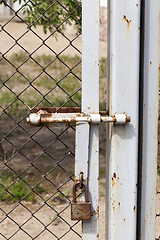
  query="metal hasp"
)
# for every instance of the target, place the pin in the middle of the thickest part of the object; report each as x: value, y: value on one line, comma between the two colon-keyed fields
x: 80, y: 210
x: 43, y: 117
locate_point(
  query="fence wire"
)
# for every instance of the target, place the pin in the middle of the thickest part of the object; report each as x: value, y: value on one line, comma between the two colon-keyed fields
x: 37, y: 164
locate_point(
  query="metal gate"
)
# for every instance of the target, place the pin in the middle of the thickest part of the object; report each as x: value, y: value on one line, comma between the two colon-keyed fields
x: 50, y: 123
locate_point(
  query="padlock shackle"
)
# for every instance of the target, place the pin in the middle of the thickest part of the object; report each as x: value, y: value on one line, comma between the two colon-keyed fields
x: 74, y: 191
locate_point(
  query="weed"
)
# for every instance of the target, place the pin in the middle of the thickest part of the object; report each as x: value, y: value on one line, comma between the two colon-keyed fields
x: 102, y: 193
x: 18, y: 57
x: 46, y: 59
x: 40, y: 189
x: 102, y: 170
x: 102, y: 183
x: 56, y: 75
x: 17, y: 191
x: 56, y: 219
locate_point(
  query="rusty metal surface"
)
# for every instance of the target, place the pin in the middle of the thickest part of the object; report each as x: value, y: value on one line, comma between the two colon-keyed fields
x: 56, y: 110
x: 42, y: 118
x: 122, y: 140
x: 148, y: 178
x: 62, y: 110
x: 85, y: 190
x: 80, y: 210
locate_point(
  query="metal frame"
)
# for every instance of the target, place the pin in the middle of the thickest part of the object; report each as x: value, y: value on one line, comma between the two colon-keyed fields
x: 133, y: 51
x: 122, y: 141
x: 90, y: 105
x: 150, y: 120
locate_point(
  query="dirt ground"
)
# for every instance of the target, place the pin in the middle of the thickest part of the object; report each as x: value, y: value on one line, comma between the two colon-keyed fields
x: 21, y: 214
x: 31, y: 42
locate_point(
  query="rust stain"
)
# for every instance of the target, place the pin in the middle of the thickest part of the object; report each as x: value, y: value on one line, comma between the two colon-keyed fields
x: 45, y: 115
x: 119, y: 204
x: 137, y: 5
x: 46, y: 110
x: 128, y: 119
x: 114, y: 175
x: 134, y: 208
x: 113, y: 183
x: 54, y: 110
x: 150, y: 63
x: 114, y: 119
x: 124, y: 219
x: 125, y: 18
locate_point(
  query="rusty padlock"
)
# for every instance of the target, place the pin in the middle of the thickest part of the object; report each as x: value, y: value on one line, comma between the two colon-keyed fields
x: 80, y: 210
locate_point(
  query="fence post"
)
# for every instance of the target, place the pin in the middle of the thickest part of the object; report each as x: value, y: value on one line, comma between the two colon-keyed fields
x: 148, y: 162
x: 123, y: 96
x: 90, y: 105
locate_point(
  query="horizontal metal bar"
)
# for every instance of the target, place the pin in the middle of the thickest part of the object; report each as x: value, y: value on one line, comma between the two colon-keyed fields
x: 38, y: 119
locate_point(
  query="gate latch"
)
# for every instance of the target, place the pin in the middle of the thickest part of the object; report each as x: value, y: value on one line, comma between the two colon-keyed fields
x: 48, y: 116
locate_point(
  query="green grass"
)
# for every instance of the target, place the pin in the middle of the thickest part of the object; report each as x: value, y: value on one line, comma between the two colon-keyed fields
x: 56, y: 76
x: 102, y: 171
x: 19, y: 57
x: 10, y: 192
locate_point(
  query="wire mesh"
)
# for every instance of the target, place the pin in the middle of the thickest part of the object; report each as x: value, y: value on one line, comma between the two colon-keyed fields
x: 37, y: 164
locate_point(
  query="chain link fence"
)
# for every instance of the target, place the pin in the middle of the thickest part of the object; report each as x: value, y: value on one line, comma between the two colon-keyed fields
x: 37, y: 164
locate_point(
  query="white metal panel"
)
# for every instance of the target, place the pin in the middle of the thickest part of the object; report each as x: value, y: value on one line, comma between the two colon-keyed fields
x: 82, y: 150
x: 90, y: 56
x: 90, y: 105
x: 123, y: 83
x: 150, y: 119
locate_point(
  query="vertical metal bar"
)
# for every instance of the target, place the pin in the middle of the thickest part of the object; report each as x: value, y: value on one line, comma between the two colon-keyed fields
x: 140, y: 127
x: 90, y: 56
x: 122, y: 145
x: 81, y: 150
x: 90, y: 104
x: 150, y: 119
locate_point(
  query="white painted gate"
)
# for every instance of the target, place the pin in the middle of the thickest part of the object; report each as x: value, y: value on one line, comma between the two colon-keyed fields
x: 131, y: 121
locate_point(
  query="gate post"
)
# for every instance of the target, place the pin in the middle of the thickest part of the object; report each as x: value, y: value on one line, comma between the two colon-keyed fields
x: 123, y: 45
x: 148, y: 163
x: 90, y: 105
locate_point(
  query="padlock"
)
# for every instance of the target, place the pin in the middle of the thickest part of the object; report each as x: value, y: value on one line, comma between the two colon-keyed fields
x: 80, y: 210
